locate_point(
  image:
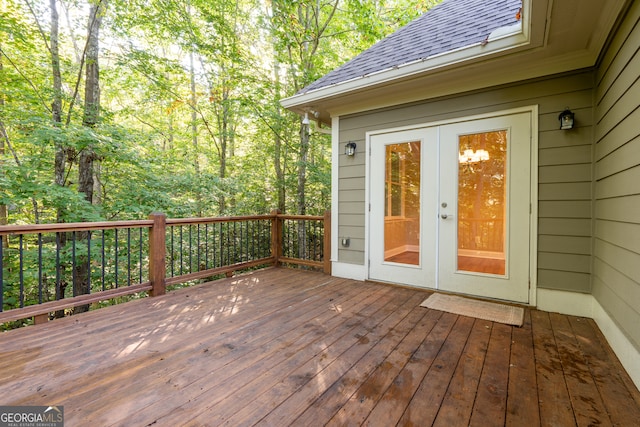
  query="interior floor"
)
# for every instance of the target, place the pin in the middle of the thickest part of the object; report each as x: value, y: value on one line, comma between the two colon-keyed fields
x: 465, y: 263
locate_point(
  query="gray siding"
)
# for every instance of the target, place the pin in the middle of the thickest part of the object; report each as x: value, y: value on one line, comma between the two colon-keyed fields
x: 616, y: 275
x: 565, y: 169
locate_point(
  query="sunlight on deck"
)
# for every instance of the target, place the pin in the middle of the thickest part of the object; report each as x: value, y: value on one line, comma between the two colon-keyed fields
x: 298, y: 348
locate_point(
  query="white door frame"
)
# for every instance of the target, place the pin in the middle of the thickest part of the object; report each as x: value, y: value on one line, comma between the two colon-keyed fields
x: 533, y: 191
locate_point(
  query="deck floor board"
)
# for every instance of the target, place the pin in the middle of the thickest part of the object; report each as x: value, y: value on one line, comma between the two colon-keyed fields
x: 291, y: 347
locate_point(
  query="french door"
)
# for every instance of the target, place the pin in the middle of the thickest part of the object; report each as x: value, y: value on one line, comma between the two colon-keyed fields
x: 450, y: 207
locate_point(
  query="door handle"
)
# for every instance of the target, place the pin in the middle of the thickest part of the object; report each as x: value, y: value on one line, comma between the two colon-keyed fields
x: 444, y: 216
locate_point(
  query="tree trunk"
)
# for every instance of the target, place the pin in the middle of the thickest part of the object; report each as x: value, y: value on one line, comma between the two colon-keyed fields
x: 194, y: 134
x: 302, y: 180
x: 280, y: 182
x: 3, y: 208
x: 302, y: 168
x: 277, y: 140
x: 92, y: 74
x: 91, y: 119
x: 226, y: 144
x: 61, y: 151
x: 56, y: 106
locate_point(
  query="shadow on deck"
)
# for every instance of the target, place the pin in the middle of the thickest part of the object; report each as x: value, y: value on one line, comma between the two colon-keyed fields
x: 288, y: 347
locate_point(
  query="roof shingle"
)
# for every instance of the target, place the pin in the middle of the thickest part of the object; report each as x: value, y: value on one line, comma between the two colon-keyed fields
x: 451, y: 25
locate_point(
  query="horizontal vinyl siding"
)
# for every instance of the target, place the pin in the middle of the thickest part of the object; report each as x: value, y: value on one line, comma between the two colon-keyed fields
x: 351, y: 202
x: 565, y: 168
x: 616, y: 271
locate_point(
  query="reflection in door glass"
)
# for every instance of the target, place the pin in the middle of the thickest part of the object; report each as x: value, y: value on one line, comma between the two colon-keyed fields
x: 402, y: 203
x: 481, y: 202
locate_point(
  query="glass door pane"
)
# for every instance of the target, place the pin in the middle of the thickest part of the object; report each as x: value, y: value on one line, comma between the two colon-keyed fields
x: 402, y: 203
x: 481, y: 202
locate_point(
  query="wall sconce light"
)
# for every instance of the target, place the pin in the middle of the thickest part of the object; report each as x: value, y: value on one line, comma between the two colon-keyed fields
x: 305, y: 121
x: 350, y: 149
x: 566, y: 119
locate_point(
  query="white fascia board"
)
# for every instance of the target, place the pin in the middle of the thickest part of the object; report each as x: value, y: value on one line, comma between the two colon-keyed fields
x: 501, y: 40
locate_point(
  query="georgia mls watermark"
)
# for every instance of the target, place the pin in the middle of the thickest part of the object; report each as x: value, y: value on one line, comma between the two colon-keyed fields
x: 31, y: 416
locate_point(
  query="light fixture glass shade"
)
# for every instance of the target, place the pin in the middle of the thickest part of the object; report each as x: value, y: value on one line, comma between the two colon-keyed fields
x: 350, y: 148
x: 305, y: 121
x: 566, y: 119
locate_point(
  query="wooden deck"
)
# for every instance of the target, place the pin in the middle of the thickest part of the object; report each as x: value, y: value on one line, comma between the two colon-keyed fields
x: 284, y: 347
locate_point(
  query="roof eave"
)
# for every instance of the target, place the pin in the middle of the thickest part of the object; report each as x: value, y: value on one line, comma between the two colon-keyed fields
x: 501, y: 41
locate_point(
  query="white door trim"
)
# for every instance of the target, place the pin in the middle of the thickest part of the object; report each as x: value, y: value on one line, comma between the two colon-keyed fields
x: 533, y: 227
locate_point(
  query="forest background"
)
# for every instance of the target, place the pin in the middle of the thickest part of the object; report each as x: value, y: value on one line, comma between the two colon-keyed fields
x: 113, y: 109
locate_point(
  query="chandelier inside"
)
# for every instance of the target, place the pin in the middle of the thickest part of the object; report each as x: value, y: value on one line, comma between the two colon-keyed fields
x: 469, y: 156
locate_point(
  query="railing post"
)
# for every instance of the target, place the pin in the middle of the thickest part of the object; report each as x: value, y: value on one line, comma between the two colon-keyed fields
x: 157, y: 254
x: 327, y: 243
x: 276, y: 236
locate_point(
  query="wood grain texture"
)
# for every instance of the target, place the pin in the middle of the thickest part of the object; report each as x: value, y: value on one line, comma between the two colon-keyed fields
x: 291, y: 347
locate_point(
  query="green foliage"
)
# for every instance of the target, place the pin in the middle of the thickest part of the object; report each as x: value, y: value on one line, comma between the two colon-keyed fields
x: 162, y: 145
x: 190, y: 124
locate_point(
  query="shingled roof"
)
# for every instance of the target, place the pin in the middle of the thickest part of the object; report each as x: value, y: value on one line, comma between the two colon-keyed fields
x: 451, y: 25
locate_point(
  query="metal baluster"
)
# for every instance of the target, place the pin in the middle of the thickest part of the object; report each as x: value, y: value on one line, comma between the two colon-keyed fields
x: 172, y: 253
x: 266, y: 235
x: 227, y: 233
x: 103, y: 284
x: 73, y: 261
x: 116, y: 249
x: 313, y: 226
x: 306, y: 240
x: 235, y: 245
x: 314, y: 239
x: 58, y: 273
x: 140, y: 255
x: 224, y: 243
x: 320, y: 239
x: 252, y: 239
x: 290, y: 237
x: 224, y: 240
x: 181, y: 242
x: 128, y: 257
x: 89, y: 262
x: 198, y: 249
x: 246, y: 239
x: 39, y: 268
x: 217, y: 238
x: 206, y: 246
x: 190, y: 249
x: 21, y: 273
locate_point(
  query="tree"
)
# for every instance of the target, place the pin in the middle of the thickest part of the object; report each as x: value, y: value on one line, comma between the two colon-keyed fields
x: 3, y: 206
x: 190, y: 91
x: 91, y: 119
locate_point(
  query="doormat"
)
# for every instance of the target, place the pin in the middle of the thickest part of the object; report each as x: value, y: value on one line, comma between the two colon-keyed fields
x: 494, y: 312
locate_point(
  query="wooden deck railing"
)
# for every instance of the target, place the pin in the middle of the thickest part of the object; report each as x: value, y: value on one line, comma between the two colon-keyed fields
x: 46, y: 269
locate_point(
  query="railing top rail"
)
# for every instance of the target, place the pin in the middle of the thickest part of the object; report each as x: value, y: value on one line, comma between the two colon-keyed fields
x: 305, y: 217
x: 186, y: 221
x: 105, y: 225
x: 73, y: 226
